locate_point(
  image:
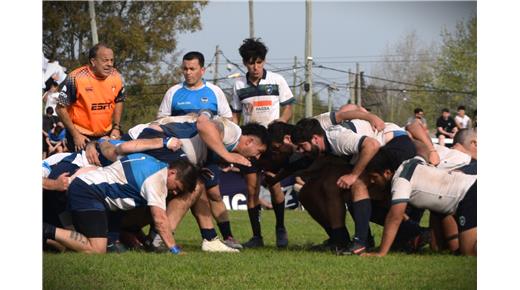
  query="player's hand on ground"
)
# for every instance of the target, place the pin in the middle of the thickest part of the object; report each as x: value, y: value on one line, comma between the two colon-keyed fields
x: 80, y: 142
x: 346, y: 181
x: 174, y: 144
x: 62, y: 182
x: 236, y: 158
x: 92, y: 154
x: 433, y: 158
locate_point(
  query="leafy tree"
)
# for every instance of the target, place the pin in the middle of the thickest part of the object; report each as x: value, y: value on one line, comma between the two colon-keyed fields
x: 408, y: 62
x: 456, y: 66
x: 142, y: 35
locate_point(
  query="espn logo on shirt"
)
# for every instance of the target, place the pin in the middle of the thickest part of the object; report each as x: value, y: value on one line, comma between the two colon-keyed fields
x: 100, y: 106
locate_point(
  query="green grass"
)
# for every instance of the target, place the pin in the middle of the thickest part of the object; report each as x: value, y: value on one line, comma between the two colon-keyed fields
x: 265, y: 268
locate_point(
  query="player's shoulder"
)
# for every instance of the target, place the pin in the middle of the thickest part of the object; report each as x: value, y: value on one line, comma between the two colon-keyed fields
x: 78, y: 72
x: 213, y: 87
x: 274, y: 76
x: 174, y: 88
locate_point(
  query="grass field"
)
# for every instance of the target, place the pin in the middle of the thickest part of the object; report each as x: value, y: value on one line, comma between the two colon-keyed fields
x: 265, y: 268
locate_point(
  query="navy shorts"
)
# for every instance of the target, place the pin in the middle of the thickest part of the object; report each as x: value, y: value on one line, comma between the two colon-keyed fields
x: 401, y: 148
x: 83, y: 197
x: 466, y: 213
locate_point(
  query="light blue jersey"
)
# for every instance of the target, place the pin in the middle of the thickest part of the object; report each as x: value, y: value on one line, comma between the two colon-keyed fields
x: 180, y: 100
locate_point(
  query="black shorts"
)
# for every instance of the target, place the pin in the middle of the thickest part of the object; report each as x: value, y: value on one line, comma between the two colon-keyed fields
x: 401, y: 148
x: 92, y: 224
x: 466, y: 213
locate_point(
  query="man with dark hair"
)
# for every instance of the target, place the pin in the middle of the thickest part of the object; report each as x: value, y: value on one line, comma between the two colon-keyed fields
x: 461, y: 119
x: 136, y: 180
x: 446, y: 127
x: 90, y: 104
x: 194, y: 94
x: 418, y: 115
x: 425, y: 186
x: 198, y: 133
x: 261, y: 96
x: 358, y: 141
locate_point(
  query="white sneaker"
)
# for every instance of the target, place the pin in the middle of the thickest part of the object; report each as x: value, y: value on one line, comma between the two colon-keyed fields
x: 216, y: 245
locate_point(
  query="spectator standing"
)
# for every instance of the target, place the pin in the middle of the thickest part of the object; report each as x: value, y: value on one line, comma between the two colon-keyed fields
x: 446, y: 127
x: 91, y: 101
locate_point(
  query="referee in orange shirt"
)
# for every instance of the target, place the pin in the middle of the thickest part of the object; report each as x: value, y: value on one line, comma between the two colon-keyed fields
x: 90, y: 104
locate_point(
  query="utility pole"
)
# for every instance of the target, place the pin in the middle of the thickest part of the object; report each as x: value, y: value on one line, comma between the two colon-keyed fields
x: 308, y: 59
x: 93, y: 25
x: 329, y: 99
x: 358, y: 85
x: 215, y: 71
x: 251, y: 20
x: 351, y: 91
x: 361, y: 84
x: 294, y: 88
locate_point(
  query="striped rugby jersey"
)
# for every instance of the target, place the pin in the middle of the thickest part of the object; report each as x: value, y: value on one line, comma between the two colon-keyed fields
x: 261, y: 103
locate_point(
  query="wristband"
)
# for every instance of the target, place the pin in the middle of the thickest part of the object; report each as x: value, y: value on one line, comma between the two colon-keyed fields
x: 206, y: 112
x: 175, y: 250
x: 165, y: 141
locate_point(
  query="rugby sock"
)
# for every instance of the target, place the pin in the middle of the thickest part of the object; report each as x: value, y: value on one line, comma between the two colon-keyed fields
x: 254, y: 219
x: 49, y: 231
x: 340, y: 236
x: 362, y: 210
x: 279, y: 212
x: 329, y: 231
x: 208, y: 234
x: 225, y: 229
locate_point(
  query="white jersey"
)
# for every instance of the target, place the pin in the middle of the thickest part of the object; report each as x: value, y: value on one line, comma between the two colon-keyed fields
x: 425, y: 186
x: 343, y: 141
x: 261, y: 103
x: 463, y: 121
x: 79, y: 159
x: 185, y: 129
x: 52, y: 101
x: 180, y: 100
x: 362, y: 127
x: 451, y: 159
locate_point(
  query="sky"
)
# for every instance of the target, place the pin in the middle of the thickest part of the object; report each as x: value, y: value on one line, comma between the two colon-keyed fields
x: 343, y: 33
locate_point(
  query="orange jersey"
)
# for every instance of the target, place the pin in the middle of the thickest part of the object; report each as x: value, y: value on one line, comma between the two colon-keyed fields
x: 91, y: 101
